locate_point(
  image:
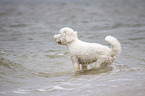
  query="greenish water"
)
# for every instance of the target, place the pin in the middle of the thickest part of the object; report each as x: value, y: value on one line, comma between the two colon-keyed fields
x: 32, y: 64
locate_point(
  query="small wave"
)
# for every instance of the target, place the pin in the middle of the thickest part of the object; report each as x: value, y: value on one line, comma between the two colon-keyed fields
x: 53, y: 88
x: 5, y: 62
x: 18, y: 25
x: 58, y: 54
x: 134, y: 39
x: 41, y: 89
x: 22, y: 91
x: 116, y: 25
x: 125, y: 68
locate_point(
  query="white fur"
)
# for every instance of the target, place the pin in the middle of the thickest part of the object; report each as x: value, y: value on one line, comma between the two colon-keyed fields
x: 83, y: 53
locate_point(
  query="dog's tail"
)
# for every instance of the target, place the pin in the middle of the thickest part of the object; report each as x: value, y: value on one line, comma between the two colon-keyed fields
x: 115, y: 44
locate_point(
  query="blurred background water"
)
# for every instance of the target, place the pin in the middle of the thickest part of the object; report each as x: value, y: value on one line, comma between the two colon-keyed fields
x: 32, y: 64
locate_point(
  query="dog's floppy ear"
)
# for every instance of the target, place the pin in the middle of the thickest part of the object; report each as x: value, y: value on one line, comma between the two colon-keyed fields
x: 71, y: 36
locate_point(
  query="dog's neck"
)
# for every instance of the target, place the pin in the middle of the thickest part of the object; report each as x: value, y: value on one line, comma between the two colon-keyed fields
x: 73, y: 42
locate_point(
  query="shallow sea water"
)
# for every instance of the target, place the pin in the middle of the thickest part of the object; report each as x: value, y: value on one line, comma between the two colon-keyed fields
x: 32, y: 64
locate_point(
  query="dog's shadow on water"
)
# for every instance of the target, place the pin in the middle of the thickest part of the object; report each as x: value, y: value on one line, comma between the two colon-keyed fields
x: 94, y: 71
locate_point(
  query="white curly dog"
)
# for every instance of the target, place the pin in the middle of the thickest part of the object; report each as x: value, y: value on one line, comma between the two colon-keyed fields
x: 83, y: 53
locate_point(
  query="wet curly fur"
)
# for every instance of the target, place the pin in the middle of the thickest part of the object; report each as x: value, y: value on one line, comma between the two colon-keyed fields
x: 83, y: 53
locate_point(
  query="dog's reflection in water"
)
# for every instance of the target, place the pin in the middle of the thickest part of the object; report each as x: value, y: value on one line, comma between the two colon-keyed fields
x: 94, y: 71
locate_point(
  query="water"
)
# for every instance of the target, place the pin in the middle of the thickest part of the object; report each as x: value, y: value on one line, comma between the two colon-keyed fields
x: 32, y: 64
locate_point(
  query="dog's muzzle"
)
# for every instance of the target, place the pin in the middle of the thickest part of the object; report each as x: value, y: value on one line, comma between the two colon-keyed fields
x: 57, y: 39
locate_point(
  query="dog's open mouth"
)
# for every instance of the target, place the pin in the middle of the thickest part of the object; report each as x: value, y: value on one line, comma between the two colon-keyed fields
x: 59, y: 43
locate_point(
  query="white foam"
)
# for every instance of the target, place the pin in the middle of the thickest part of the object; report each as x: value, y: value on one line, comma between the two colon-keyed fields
x: 20, y: 91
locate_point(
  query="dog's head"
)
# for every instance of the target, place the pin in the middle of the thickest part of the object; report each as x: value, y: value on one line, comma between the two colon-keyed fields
x: 66, y: 35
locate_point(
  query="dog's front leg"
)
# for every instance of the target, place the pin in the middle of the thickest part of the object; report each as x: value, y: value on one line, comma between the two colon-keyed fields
x: 76, y: 64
